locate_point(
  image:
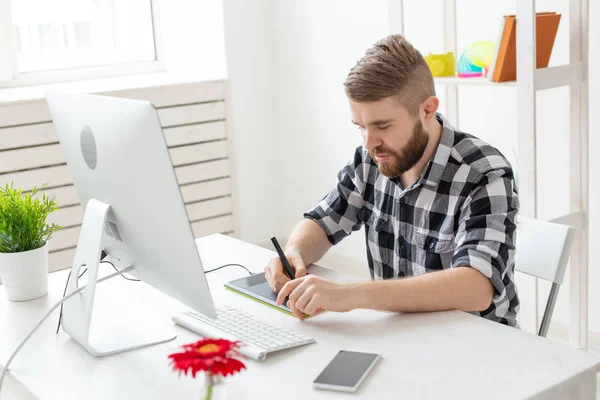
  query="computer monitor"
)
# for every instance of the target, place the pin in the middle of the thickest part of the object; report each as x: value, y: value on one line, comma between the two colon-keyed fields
x: 117, y: 155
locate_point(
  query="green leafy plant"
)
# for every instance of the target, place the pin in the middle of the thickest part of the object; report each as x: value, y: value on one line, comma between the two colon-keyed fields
x: 23, y: 216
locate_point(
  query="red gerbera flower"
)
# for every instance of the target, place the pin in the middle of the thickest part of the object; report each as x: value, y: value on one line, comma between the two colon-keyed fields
x: 217, y: 356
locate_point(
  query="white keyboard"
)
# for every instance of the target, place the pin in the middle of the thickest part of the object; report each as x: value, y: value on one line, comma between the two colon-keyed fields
x: 257, y: 338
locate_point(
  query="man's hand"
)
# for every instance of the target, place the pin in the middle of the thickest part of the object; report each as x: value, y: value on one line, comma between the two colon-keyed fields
x: 312, y: 294
x: 274, y: 274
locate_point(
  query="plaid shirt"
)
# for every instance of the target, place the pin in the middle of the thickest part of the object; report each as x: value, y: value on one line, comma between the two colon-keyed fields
x: 461, y: 212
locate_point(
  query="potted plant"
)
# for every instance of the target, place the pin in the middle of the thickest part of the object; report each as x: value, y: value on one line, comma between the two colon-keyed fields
x: 24, y: 236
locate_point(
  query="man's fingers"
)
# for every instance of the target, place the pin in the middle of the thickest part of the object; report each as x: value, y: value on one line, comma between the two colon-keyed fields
x: 300, y: 269
x: 295, y: 310
x: 273, y: 282
x: 275, y: 276
x: 314, y: 306
x: 280, y: 280
x: 298, y: 293
x: 304, y: 299
x: 297, y: 263
x: 287, y: 289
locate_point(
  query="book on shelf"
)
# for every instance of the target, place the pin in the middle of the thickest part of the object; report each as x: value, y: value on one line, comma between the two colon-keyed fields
x: 503, y: 67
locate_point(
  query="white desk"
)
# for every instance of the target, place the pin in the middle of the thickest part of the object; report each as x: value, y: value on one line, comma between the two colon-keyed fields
x: 435, y: 356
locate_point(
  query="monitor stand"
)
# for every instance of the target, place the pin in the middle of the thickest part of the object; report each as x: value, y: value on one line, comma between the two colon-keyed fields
x: 109, y: 336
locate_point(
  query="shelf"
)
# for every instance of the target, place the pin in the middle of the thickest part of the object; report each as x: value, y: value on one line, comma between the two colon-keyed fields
x: 545, y: 78
x: 453, y: 80
x: 563, y: 75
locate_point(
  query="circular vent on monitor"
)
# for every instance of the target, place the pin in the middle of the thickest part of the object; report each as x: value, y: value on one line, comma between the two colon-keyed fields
x: 88, y: 147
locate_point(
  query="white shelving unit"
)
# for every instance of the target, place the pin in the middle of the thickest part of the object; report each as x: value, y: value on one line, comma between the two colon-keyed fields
x: 529, y: 81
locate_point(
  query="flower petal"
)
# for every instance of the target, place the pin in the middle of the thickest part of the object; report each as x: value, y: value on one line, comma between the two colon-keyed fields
x: 229, y: 367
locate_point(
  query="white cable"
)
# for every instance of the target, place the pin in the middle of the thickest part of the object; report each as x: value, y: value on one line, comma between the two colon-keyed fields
x: 54, y: 307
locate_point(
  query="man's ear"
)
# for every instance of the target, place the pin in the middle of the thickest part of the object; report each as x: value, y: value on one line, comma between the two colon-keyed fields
x: 430, y: 107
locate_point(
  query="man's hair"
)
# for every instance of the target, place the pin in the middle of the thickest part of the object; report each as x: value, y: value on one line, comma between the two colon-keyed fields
x: 392, y: 67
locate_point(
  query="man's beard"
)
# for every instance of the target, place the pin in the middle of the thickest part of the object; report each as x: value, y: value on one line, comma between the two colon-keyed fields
x: 406, y: 158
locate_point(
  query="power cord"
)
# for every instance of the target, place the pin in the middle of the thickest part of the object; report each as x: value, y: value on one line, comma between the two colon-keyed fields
x: 116, y: 269
x: 79, y: 277
x: 103, y: 259
x: 229, y: 265
x: 54, y: 307
x: 64, y: 294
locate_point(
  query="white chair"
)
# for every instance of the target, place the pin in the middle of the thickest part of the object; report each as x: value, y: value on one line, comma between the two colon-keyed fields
x: 542, y: 250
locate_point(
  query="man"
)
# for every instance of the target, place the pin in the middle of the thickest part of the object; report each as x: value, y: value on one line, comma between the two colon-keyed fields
x: 438, y: 205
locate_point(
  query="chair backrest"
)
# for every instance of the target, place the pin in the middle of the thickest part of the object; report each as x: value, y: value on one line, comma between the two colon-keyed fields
x: 543, y: 248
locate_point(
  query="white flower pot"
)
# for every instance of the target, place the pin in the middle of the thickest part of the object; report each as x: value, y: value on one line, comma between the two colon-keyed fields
x: 25, y: 275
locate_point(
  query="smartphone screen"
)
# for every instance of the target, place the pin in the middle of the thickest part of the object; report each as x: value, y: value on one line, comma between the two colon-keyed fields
x: 347, y: 369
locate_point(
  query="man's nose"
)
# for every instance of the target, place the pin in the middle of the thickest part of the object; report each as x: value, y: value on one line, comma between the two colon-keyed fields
x: 370, y: 140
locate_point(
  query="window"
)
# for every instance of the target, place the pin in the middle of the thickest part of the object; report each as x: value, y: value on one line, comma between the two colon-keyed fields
x: 58, y: 35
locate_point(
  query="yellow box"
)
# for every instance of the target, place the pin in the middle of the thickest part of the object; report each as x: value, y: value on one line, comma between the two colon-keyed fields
x: 441, y: 64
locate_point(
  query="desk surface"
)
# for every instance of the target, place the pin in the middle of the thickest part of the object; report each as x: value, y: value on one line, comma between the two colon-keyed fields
x: 431, y: 355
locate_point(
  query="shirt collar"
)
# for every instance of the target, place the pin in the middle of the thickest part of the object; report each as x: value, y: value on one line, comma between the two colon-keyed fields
x: 433, y: 172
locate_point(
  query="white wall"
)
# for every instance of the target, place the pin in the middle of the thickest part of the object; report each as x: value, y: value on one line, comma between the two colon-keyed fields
x: 191, y: 34
x: 250, y: 109
x: 594, y: 146
x: 314, y: 44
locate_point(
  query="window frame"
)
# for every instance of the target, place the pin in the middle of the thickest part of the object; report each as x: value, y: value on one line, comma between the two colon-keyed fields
x: 10, y: 77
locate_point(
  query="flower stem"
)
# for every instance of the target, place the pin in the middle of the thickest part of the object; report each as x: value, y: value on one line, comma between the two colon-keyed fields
x: 210, y: 381
x: 209, y: 390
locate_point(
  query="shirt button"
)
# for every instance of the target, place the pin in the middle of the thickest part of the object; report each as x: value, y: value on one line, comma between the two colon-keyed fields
x: 400, y: 240
x: 403, y: 252
x: 431, y: 245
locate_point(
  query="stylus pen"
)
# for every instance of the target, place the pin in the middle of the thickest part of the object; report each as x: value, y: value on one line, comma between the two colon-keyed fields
x: 284, y: 260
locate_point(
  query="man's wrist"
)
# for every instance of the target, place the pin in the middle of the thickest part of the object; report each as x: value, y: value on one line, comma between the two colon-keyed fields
x: 362, y: 295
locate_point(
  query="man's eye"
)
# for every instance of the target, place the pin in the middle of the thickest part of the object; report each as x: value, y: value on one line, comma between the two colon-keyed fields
x: 383, y: 127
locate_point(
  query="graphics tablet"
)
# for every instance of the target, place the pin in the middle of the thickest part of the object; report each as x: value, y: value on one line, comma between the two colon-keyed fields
x: 256, y: 288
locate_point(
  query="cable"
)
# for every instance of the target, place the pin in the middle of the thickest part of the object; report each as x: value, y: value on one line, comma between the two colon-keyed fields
x: 54, y: 307
x: 116, y: 269
x: 229, y: 265
x: 80, y: 275
x: 103, y: 256
x: 64, y: 294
